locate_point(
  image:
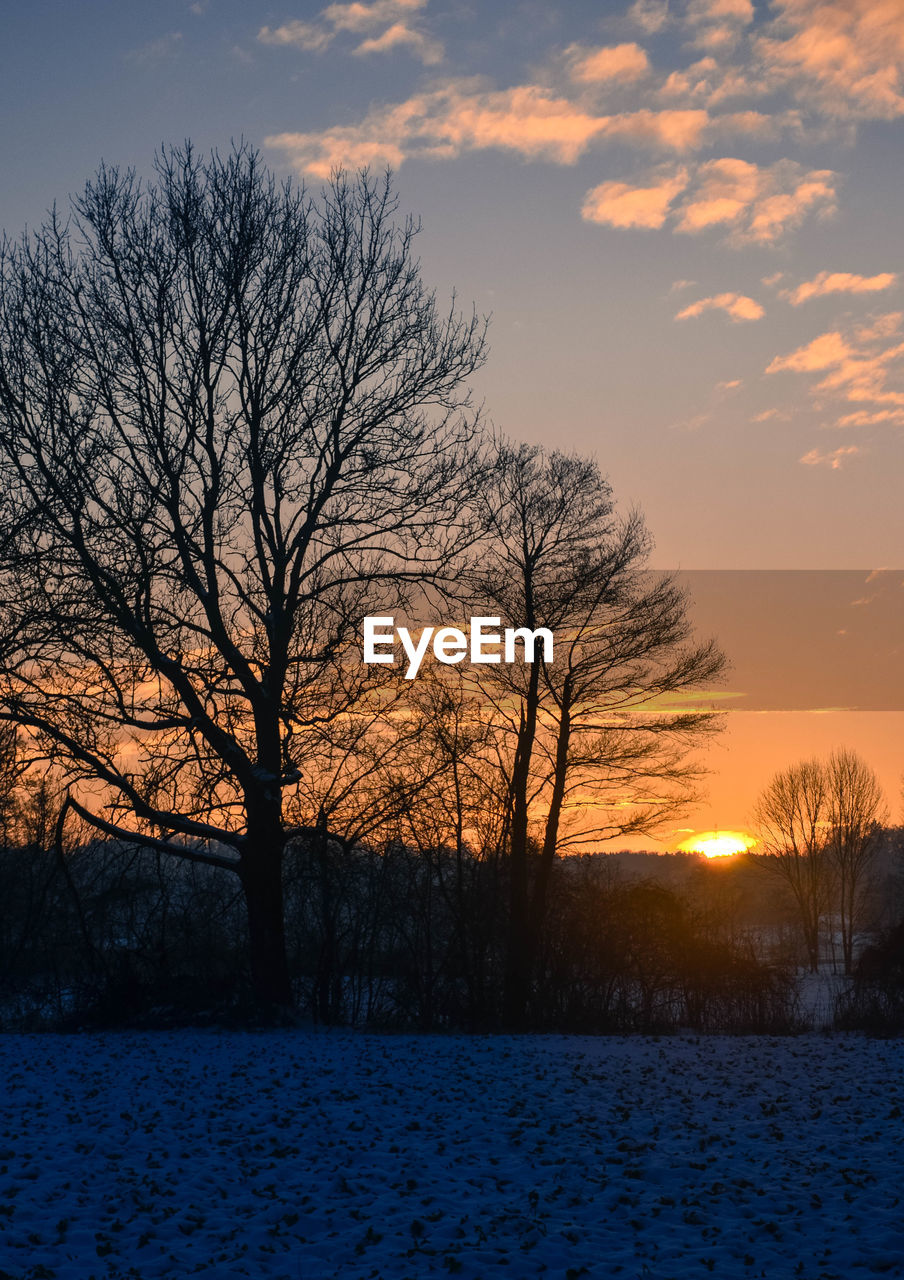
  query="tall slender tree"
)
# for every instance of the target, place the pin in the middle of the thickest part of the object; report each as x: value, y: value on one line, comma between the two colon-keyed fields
x: 598, y: 738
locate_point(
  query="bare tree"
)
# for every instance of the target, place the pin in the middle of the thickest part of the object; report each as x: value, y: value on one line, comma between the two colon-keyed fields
x: 792, y: 823
x: 230, y: 416
x: 594, y: 748
x: 857, y: 811
x: 818, y: 824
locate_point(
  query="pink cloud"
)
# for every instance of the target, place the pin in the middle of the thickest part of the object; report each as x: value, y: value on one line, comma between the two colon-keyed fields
x: 846, y: 57
x: 364, y: 17
x: 526, y: 119
x: 720, y: 11
x: 758, y: 204
x: 833, y: 460
x: 822, y: 353
x: 672, y: 130
x: 735, y: 305
x: 301, y: 35
x: 624, y: 62
x: 839, y: 282
x: 711, y: 81
x: 753, y: 204
x: 771, y: 415
x: 529, y: 119
x: 650, y: 15
x: 619, y: 204
x: 357, y: 18
x: 867, y: 365
x: 399, y: 35
x: 445, y: 123
x: 864, y: 418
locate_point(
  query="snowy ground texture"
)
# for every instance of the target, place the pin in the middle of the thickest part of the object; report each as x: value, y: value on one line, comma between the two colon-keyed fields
x: 304, y: 1155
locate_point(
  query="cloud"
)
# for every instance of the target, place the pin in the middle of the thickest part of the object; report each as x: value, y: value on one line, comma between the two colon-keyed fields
x: 755, y: 205
x: 364, y: 17
x: 447, y: 122
x: 360, y: 19
x: 694, y: 82
x: 719, y: 23
x: 839, y: 282
x: 879, y: 327
x: 618, y: 204
x: 713, y: 80
x: 843, y: 57
x: 672, y: 130
x: 751, y: 124
x: 864, y: 418
x: 833, y: 460
x: 822, y: 353
x: 460, y: 116
x: 727, y: 190
x: 771, y: 415
x: 429, y: 51
x: 865, y: 365
x: 758, y: 204
x: 737, y: 306
x: 624, y: 62
x: 717, y: 39
x: 720, y: 11
x: 302, y: 35
x: 732, y: 385
x: 822, y: 64
x: 650, y: 15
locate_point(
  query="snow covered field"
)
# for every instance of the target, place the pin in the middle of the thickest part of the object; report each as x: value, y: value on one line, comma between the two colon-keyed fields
x: 304, y: 1155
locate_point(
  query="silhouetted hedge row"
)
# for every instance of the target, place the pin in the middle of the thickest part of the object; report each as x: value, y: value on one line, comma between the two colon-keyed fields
x: 383, y: 938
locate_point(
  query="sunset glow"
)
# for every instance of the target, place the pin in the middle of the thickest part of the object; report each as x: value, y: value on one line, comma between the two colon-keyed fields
x: 717, y: 844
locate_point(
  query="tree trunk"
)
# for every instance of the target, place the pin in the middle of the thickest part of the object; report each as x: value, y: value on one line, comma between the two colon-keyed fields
x: 261, y: 877
x: 517, y: 971
x: 518, y: 958
x: 846, y: 912
x: 553, y: 817
x: 812, y: 940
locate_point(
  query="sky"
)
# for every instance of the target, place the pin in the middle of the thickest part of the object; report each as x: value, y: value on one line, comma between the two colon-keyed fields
x: 683, y: 218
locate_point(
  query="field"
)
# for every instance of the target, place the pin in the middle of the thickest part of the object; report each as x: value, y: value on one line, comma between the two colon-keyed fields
x: 309, y: 1155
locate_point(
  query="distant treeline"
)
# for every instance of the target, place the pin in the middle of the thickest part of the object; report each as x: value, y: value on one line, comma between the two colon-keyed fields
x: 393, y: 937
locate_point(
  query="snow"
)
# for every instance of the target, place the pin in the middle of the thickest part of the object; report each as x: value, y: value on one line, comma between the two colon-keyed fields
x: 307, y: 1155
x: 817, y: 997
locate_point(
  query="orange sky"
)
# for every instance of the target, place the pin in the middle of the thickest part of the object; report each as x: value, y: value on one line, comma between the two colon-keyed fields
x: 817, y: 662
x: 683, y: 219
x: 755, y: 745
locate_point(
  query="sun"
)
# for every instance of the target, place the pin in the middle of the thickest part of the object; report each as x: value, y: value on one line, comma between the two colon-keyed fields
x: 717, y: 844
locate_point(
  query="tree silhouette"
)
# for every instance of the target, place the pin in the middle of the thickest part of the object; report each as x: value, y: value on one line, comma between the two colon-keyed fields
x: 857, y: 810
x: 819, y: 827
x: 594, y: 748
x: 791, y: 823
x: 231, y: 418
